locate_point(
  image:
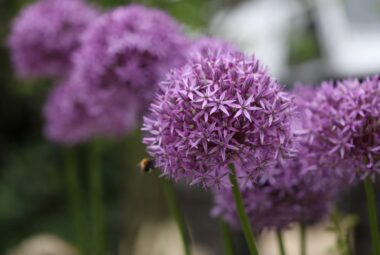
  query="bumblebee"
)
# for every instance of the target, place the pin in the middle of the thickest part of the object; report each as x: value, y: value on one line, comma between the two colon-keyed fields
x: 146, y: 165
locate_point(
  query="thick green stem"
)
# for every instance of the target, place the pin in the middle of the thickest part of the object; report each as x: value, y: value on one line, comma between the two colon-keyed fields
x: 176, y: 213
x: 75, y: 199
x: 281, y: 245
x: 303, y: 238
x: 372, y: 214
x: 244, y: 221
x: 228, y: 244
x: 97, y: 206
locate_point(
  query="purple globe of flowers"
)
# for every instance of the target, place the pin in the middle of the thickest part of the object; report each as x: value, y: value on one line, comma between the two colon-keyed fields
x: 127, y: 51
x: 73, y: 114
x: 68, y: 120
x: 223, y: 108
x: 341, y: 128
x: 45, y: 34
x: 289, y: 196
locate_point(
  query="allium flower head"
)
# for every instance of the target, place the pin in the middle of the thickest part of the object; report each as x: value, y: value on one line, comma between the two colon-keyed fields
x: 68, y: 120
x: 342, y: 127
x: 45, y: 34
x: 130, y: 49
x: 289, y: 196
x: 73, y: 114
x: 223, y: 108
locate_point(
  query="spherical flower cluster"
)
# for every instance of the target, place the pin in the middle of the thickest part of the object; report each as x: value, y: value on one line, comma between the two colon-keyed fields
x: 342, y: 129
x: 123, y: 55
x: 73, y: 114
x: 288, y: 196
x: 45, y: 34
x: 67, y: 118
x: 128, y: 50
x: 223, y: 108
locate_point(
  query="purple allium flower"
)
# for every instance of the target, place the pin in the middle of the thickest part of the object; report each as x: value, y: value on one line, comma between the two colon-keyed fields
x: 45, y: 34
x: 123, y: 55
x: 223, y: 108
x: 74, y: 114
x: 130, y: 49
x: 341, y: 128
x: 67, y: 118
x: 287, y: 197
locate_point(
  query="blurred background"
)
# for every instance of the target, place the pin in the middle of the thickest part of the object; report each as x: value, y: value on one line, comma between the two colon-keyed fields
x: 300, y: 40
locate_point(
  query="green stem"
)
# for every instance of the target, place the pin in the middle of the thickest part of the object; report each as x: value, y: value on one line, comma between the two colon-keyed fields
x: 244, y: 221
x: 280, y: 240
x: 97, y: 206
x: 176, y: 213
x: 75, y: 199
x: 371, y: 204
x: 303, y: 239
x: 228, y: 244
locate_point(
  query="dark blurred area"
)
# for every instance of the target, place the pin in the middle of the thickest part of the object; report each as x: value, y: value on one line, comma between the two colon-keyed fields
x: 305, y: 41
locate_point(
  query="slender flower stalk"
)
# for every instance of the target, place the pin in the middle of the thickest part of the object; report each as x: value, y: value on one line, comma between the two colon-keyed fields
x: 176, y: 213
x: 75, y: 200
x: 372, y: 214
x: 97, y: 206
x: 244, y: 221
x: 280, y: 240
x: 228, y: 244
x: 303, y: 238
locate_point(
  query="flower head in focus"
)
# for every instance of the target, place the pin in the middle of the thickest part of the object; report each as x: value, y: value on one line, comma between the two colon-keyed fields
x: 222, y: 108
x: 341, y: 128
x: 45, y: 35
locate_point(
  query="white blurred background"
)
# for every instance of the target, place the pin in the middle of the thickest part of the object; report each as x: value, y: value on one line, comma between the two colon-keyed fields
x: 335, y: 38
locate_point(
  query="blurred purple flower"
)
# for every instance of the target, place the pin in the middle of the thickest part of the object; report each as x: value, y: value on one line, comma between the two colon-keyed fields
x: 45, y: 34
x: 124, y: 53
x: 341, y: 127
x: 222, y: 108
x: 74, y: 114
x: 288, y: 196
x: 67, y: 118
x: 129, y: 49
